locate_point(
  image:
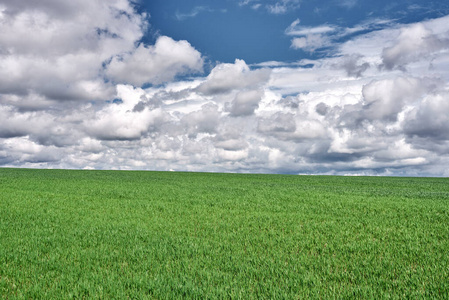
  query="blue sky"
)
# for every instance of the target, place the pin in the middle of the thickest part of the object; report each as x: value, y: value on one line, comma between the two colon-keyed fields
x: 255, y: 30
x: 256, y: 86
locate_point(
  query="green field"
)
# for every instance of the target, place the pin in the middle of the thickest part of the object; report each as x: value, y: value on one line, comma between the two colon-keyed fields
x: 166, y: 235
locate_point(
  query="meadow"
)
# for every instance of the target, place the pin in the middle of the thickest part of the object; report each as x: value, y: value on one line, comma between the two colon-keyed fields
x: 169, y: 235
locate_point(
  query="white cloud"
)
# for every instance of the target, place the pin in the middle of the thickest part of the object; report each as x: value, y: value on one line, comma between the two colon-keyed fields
x: 195, y: 11
x: 71, y: 43
x: 348, y: 3
x: 429, y: 120
x: 57, y: 49
x: 294, y: 29
x: 204, y: 120
x: 354, y: 65
x: 246, y: 2
x: 384, y: 99
x: 413, y: 42
x: 121, y: 121
x: 15, y: 124
x: 309, y: 38
x: 155, y: 64
x: 227, y: 77
x: 310, y: 42
x: 283, y: 6
x: 342, y: 114
x: 279, y: 7
x: 245, y: 103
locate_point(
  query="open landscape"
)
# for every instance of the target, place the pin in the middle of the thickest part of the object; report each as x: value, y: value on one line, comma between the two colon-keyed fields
x: 166, y: 235
x: 240, y: 149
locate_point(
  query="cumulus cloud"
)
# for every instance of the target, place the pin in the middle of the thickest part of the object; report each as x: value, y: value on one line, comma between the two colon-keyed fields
x: 227, y: 77
x: 245, y: 103
x: 17, y: 124
x: 384, y: 99
x: 76, y: 49
x: 204, y: 120
x: 62, y: 58
x: 155, y: 64
x: 120, y: 121
x: 278, y: 122
x: 378, y: 104
x: 353, y: 65
x: 24, y: 152
x: 429, y: 120
x: 413, y: 42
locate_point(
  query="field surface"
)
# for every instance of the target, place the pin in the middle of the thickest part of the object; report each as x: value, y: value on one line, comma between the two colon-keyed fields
x: 166, y: 235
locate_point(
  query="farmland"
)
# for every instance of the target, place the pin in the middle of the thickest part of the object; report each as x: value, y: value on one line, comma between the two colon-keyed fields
x: 166, y: 235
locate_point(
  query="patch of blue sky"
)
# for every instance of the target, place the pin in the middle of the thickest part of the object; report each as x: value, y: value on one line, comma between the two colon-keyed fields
x: 256, y: 32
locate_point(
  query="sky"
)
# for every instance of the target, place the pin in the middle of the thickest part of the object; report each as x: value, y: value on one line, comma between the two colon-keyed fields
x: 345, y: 87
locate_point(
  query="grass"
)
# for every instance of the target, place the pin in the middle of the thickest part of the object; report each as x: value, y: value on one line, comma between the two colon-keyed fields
x: 166, y: 235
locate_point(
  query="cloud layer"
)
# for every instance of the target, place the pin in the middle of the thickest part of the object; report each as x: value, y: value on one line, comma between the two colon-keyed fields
x: 78, y: 89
